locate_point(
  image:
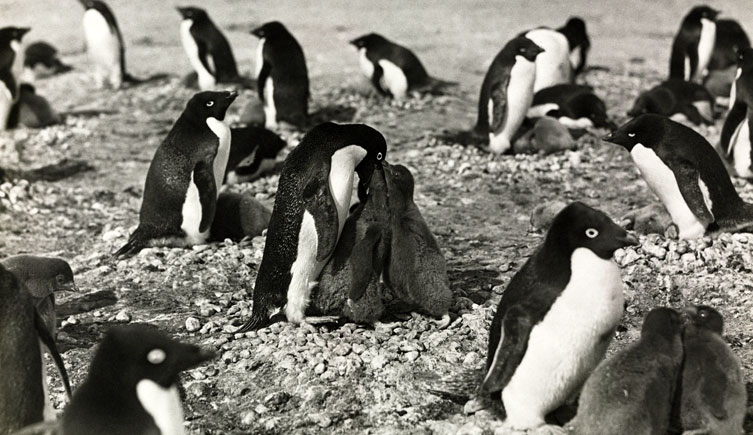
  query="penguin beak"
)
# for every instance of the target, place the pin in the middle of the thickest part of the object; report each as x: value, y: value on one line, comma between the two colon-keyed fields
x: 22, y: 31
x: 258, y: 32
x: 232, y: 95
x: 181, y: 11
x: 70, y: 287
x: 628, y: 240
x: 192, y: 356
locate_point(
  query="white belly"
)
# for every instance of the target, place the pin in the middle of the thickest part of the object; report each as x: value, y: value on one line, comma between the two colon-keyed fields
x: 366, y: 66
x: 705, y: 47
x: 163, y: 404
x: 740, y: 147
x: 222, y: 131
x: 568, y: 343
x: 574, y: 124
x: 663, y: 183
x: 393, y: 79
x: 49, y: 411
x: 101, y: 43
x: 259, y: 57
x: 519, y: 97
x: 6, y: 102
x: 206, y: 79
x: 541, y: 110
x: 553, y: 65
x: 270, y: 111
x: 192, y: 214
x: 576, y: 54
x: 733, y: 89
x: 18, y: 61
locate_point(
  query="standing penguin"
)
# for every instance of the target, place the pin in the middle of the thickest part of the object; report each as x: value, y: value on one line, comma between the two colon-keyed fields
x: 10, y: 52
x: 694, y: 44
x: 311, y: 206
x: 207, y: 49
x: 281, y: 75
x: 633, y: 391
x: 578, y: 42
x: 687, y: 175
x: 556, y: 317
x: 731, y: 39
x: 575, y: 106
x: 393, y: 69
x: 185, y: 176
x: 735, y: 141
x: 131, y: 388
x: 253, y: 152
x: 507, y: 93
x: 553, y: 64
x: 713, y: 398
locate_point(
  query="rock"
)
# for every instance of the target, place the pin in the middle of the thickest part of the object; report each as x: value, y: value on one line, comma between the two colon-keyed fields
x: 342, y: 349
x: 379, y: 362
x: 411, y: 356
x: 471, y: 359
x: 123, y: 316
x: 543, y: 215
x: 261, y: 409
x: 249, y: 417
x: 192, y: 324
x: 320, y: 368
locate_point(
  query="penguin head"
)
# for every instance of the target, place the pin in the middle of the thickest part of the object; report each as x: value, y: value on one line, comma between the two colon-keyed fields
x: 745, y: 59
x: 400, y: 185
x: 646, y: 129
x: 271, y: 29
x: 54, y: 274
x: 704, y: 12
x: 9, y: 34
x: 577, y: 26
x: 662, y: 323
x: 580, y: 226
x: 368, y: 41
x: 522, y: 46
x: 192, y: 13
x: 376, y: 151
x: 87, y: 4
x: 590, y: 106
x: 703, y: 316
x: 210, y: 104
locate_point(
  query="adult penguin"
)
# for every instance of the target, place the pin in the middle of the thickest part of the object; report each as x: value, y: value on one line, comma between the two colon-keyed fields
x: 694, y: 44
x: 11, y: 67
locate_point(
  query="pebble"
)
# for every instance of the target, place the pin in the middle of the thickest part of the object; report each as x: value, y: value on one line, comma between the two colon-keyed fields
x: 123, y: 316
x: 249, y: 417
x: 378, y: 362
x: 411, y: 356
x: 471, y: 359
x: 192, y: 324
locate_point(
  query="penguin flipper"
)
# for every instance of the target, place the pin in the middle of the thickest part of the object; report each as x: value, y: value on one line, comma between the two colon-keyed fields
x: 203, y: 53
x: 688, y: 181
x: 203, y: 176
x: 376, y: 78
x: 715, y: 386
x: 498, y: 98
x: 261, y: 81
x: 366, y: 261
x: 510, y: 351
x: 48, y: 341
x: 318, y: 201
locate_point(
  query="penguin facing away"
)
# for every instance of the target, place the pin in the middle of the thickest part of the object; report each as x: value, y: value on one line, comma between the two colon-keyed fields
x: 632, y: 392
x: 556, y: 317
x: 575, y: 106
x: 676, y: 97
x: 553, y: 63
x: 735, y: 141
x: 311, y: 206
x: 42, y: 58
x: 507, y: 93
x: 693, y: 44
x: 185, y: 176
x: 253, y: 153
x: 731, y: 39
x: 104, y: 44
x: 579, y: 43
x: 10, y: 51
x: 282, y: 76
x: 687, y: 175
x: 239, y: 215
x: 131, y: 387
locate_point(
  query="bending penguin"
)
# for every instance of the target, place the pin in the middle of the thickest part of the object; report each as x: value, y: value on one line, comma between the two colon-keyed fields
x: 687, y: 175
x: 578, y: 42
x: 694, y: 44
x: 42, y: 59
x: 309, y: 213
x: 185, y: 177
x: 281, y: 75
x: 735, y: 141
x: 11, y: 57
x: 553, y: 65
x: 556, y: 317
x: 507, y: 93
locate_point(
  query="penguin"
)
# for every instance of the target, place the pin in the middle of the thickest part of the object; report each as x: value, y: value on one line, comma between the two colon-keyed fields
x: 132, y: 385
x: 281, y: 75
x: 25, y: 399
x: 42, y: 58
x: 693, y: 45
x: 253, y: 153
x: 574, y: 106
x: 105, y: 45
x: 556, y: 317
x: 42, y: 277
x: 553, y: 65
x: 731, y: 39
x: 735, y: 140
x: 632, y: 392
x: 10, y: 53
x: 393, y: 69
x: 311, y: 206
x: 207, y: 49
x: 578, y: 42
x: 676, y: 97
x: 507, y: 93
x: 32, y: 110
x: 185, y: 177
x: 239, y: 215
x: 713, y: 396
x: 687, y: 175
x: 547, y: 136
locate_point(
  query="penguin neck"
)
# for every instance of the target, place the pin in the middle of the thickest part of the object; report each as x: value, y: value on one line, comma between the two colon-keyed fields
x: 163, y: 404
x: 222, y: 131
x: 342, y: 169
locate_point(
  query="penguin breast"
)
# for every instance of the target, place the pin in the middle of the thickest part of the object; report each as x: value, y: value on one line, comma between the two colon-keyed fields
x: 342, y: 171
x: 741, y: 150
x: 553, y: 65
x: 705, y: 47
x: 366, y: 66
x: 393, y: 79
x: 222, y: 131
x: 206, y: 79
x: 101, y: 42
x: 192, y: 214
x: 163, y: 404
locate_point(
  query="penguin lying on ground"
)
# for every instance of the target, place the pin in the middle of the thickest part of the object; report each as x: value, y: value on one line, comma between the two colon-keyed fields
x: 11, y: 67
x: 185, y: 176
x: 693, y: 45
x: 713, y: 397
x: 42, y: 59
x: 632, y: 392
x: 556, y: 317
x: 578, y: 42
x: 574, y: 106
x: 393, y: 69
x: 735, y: 141
x: 239, y: 215
x: 311, y: 206
x: 676, y: 96
x: 253, y: 153
x: 548, y: 136
x: 687, y: 175
x: 32, y: 110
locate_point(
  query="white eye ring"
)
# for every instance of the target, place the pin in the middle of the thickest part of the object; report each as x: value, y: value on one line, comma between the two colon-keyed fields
x: 156, y: 356
x: 210, y: 103
x: 592, y: 233
x: 631, y: 134
x: 379, y: 156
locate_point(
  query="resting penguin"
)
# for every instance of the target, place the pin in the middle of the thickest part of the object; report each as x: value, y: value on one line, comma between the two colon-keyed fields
x: 693, y: 44
x: 574, y: 106
x: 676, y: 97
x: 42, y: 58
x: 578, y: 42
x: 713, y: 397
x: 25, y: 399
x: 105, y: 45
x: 687, y: 175
x: 239, y: 215
x: 311, y: 206
x: 735, y: 141
x: 632, y: 392
x: 131, y: 388
x: 253, y: 153
x: 507, y: 93
x: 556, y: 317
x: 185, y: 176
x: 393, y: 69
x: 10, y: 52
x: 553, y: 64
x: 207, y: 49
x: 281, y: 75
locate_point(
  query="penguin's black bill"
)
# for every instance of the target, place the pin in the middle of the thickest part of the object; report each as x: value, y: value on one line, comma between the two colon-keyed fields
x: 193, y: 356
x: 232, y: 95
x: 628, y: 240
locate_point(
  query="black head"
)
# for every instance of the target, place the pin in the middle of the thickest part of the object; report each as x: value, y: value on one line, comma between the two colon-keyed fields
x: 270, y: 30
x: 702, y: 12
x: 8, y: 34
x: 368, y: 41
x: 705, y: 317
x: 56, y: 273
x: 210, y: 104
x: 647, y: 130
x: 590, y: 106
x: 376, y: 151
x: 577, y: 26
x: 745, y: 59
x: 137, y: 352
x: 662, y: 322
x: 87, y: 4
x: 522, y: 46
x: 580, y: 226
x: 192, y: 13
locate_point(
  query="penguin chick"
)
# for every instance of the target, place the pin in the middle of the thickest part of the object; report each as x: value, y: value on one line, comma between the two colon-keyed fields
x: 32, y: 110
x: 651, y: 219
x: 132, y: 385
x: 253, y: 153
x: 693, y: 45
x: 550, y: 136
x: 239, y: 215
x: 632, y: 391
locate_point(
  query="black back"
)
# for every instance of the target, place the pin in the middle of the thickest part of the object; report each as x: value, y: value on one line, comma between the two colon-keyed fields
x: 686, y: 41
x: 211, y: 41
x: 8, y: 56
x: 574, y: 101
x: 105, y: 11
x: 670, y: 97
x: 245, y: 141
x: 378, y: 47
x: 731, y: 39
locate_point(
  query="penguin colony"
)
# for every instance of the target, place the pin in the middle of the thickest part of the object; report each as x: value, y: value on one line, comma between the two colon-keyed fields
x: 331, y: 254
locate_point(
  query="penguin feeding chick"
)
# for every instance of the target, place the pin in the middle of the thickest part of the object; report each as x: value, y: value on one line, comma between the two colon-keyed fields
x: 735, y: 141
x: 42, y: 60
x: 10, y: 57
x: 687, y: 175
x: 185, y: 176
x: 553, y: 65
x: 311, y: 206
x: 693, y: 44
x: 556, y: 317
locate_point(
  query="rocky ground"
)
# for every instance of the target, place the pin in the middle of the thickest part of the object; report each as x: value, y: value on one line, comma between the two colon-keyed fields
x: 351, y: 379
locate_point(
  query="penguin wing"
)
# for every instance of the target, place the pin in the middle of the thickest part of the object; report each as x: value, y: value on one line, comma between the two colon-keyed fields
x: 318, y: 201
x: 516, y: 329
x: 376, y: 78
x: 201, y: 44
x: 715, y: 384
x: 203, y: 176
x: 688, y: 179
x: 735, y: 116
x: 498, y: 110
x: 366, y: 260
x: 46, y: 337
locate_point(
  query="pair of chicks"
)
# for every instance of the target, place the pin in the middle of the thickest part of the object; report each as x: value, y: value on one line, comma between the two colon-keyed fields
x: 386, y: 260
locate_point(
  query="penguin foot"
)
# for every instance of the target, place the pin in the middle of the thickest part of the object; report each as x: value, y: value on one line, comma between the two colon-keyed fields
x: 473, y: 406
x: 444, y: 322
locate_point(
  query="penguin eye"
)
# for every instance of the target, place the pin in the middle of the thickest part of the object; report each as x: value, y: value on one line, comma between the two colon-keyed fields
x: 156, y: 356
x: 591, y: 233
x: 379, y: 156
x: 210, y: 103
x: 703, y: 314
x: 59, y: 279
x: 631, y: 134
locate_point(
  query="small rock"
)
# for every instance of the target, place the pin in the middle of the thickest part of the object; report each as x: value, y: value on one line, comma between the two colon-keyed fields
x: 471, y: 359
x: 379, y: 362
x: 261, y: 409
x: 411, y: 356
x: 320, y: 368
x: 192, y: 324
x: 123, y: 316
x: 249, y: 417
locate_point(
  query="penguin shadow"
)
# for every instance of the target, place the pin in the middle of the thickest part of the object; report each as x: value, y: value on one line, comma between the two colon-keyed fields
x: 191, y: 81
x: 83, y: 335
x: 334, y: 113
x: 479, y: 279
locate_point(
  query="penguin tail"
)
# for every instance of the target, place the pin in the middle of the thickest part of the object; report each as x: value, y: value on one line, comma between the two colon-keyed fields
x: 136, y: 243
x: 55, y: 172
x: 128, y: 78
x: 258, y: 320
x: 435, y: 86
x: 464, y: 137
x: 61, y: 68
x: 457, y: 386
x: 41, y: 428
x: 741, y: 220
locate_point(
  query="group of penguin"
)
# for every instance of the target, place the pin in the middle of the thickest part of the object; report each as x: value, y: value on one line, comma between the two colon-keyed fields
x: 329, y: 257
